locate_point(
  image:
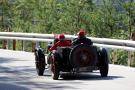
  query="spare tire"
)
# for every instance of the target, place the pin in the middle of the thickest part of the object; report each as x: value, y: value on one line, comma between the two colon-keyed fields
x: 83, y: 55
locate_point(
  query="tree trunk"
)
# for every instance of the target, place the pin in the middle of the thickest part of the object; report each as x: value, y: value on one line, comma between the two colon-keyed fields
x: 130, y: 56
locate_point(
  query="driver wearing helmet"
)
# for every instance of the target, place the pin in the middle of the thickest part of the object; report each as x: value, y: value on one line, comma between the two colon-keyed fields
x: 60, y: 42
x: 82, y: 38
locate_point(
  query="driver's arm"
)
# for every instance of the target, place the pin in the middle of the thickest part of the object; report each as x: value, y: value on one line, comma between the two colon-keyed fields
x: 54, y: 46
x: 75, y: 41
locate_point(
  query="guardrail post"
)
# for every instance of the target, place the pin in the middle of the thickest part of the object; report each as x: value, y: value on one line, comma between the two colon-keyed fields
x: 23, y: 45
x: 114, y: 56
x: 33, y: 46
x: 4, y: 46
x: 130, y: 53
x: 130, y: 58
x: 8, y: 44
x: 14, y: 44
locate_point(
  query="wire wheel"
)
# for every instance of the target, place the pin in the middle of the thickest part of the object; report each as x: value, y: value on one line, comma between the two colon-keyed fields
x: 83, y: 55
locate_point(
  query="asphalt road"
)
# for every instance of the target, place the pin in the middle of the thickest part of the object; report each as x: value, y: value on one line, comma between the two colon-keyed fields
x: 17, y: 72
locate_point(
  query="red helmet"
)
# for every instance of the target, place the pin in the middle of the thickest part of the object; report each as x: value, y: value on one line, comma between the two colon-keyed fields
x: 81, y: 33
x: 61, y: 36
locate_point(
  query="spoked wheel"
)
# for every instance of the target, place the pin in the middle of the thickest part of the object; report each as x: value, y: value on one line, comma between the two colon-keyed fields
x: 83, y: 55
x: 40, y: 62
x: 55, y: 68
x: 104, y: 63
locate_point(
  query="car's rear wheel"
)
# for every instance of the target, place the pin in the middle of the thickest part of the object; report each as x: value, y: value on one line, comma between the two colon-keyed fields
x: 104, y: 63
x: 55, y: 67
x: 40, y: 61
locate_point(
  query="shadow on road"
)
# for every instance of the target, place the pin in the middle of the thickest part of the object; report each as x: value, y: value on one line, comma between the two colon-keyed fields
x: 88, y: 76
x: 8, y: 86
x: 6, y: 60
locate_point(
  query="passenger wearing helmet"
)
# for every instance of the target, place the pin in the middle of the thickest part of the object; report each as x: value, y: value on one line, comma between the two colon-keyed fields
x: 82, y: 38
x: 61, y: 42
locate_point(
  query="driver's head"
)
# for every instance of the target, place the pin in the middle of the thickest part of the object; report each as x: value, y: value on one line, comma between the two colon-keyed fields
x: 56, y: 38
x: 81, y: 33
x: 61, y: 36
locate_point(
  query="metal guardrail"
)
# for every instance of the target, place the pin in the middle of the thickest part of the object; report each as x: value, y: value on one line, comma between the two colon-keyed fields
x: 100, y: 42
x: 128, y: 45
x: 27, y: 35
x: 118, y: 42
x: 25, y: 39
x: 116, y: 47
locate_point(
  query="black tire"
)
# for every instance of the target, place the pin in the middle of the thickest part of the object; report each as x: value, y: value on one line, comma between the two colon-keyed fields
x: 40, y: 61
x: 55, y: 66
x: 40, y: 71
x: 104, y: 63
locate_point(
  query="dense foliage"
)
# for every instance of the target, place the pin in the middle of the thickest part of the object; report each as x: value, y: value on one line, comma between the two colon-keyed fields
x: 100, y: 18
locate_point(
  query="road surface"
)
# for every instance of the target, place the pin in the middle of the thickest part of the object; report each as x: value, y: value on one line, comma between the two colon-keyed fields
x: 17, y: 72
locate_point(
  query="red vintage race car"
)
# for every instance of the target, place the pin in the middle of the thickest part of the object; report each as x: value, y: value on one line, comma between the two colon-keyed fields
x: 74, y: 59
